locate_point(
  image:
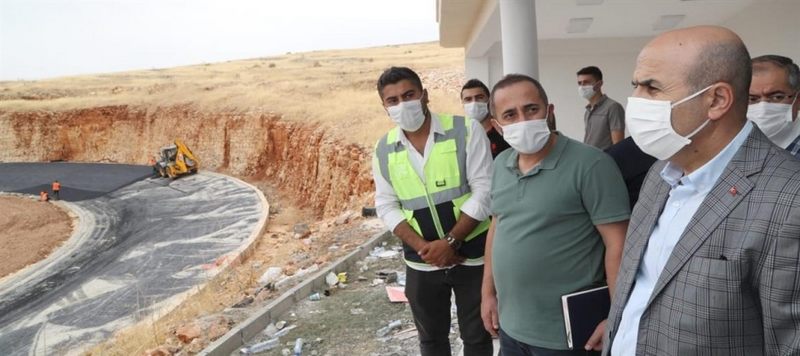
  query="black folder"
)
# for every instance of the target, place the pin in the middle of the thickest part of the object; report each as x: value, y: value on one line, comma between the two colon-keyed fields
x: 582, y: 312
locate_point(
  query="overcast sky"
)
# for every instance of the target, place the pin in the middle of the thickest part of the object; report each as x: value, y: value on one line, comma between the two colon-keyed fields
x: 51, y: 38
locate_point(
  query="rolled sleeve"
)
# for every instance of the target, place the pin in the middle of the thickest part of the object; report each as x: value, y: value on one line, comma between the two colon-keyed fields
x: 386, y: 204
x: 479, y: 174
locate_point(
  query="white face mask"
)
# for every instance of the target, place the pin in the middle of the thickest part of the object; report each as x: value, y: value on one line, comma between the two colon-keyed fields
x: 650, y: 124
x: 586, y: 91
x: 408, y: 115
x: 527, y: 136
x: 476, y: 110
x: 773, y: 119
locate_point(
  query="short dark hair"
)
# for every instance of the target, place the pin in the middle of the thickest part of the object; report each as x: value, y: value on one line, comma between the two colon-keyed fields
x: 727, y: 62
x: 394, y: 75
x: 785, y: 63
x: 512, y: 79
x: 474, y: 83
x: 591, y: 70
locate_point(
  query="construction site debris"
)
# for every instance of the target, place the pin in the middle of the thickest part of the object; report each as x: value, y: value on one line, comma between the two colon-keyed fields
x: 272, y: 275
x: 345, y: 217
x: 368, y: 211
x: 301, y: 231
x: 298, y: 347
x: 386, y: 330
x: 203, y: 330
x: 396, y: 294
x: 260, y: 347
x: 381, y: 252
x: 331, y: 279
x: 274, y: 332
x: 247, y: 300
x: 158, y: 351
x: 187, y: 333
x: 387, y: 276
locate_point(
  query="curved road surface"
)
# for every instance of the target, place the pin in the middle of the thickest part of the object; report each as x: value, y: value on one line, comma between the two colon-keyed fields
x: 141, y: 244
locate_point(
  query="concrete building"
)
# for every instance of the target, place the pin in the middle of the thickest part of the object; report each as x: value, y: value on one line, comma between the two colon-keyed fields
x: 552, y: 39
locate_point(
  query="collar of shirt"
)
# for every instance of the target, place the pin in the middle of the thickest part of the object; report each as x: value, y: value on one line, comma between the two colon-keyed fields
x: 794, y: 147
x: 602, y: 99
x: 419, y: 159
x: 435, y: 128
x: 549, y: 162
x: 703, y: 179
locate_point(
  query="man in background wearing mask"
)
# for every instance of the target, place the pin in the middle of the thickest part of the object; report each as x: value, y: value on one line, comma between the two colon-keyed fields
x: 773, y: 100
x: 432, y: 181
x: 711, y: 257
x: 475, y: 97
x: 560, y: 210
x: 604, y: 118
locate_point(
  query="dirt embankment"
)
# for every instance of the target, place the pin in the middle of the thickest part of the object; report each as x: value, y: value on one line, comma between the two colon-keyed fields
x: 320, y: 171
x: 29, y: 231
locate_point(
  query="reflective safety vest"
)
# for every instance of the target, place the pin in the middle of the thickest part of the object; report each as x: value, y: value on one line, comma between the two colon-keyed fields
x: 433, y: 206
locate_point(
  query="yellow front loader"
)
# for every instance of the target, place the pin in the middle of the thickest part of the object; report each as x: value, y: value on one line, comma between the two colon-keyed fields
x: 176, y: 160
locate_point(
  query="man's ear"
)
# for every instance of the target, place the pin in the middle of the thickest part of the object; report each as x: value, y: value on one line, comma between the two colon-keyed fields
x: 497, y: 127
x: 551, y: 117
x: 424, y: 101
x: 721, y: 101
x: 599, y: 84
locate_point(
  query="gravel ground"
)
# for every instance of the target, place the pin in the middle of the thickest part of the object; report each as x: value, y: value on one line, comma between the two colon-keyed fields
x: 349, y: 320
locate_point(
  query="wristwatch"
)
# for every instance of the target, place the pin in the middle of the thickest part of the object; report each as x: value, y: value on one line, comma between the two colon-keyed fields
x: 454, y: 243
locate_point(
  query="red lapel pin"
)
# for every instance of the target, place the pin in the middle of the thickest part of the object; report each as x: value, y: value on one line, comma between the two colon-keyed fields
x: 733, y: 191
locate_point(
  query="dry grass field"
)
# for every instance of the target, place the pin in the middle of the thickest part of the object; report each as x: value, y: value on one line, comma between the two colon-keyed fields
x: 335, y: 88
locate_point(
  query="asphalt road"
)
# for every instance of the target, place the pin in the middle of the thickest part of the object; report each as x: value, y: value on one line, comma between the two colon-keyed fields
x: 145, y: 244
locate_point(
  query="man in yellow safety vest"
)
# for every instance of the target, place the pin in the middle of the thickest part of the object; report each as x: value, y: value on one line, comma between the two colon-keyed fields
x: 432, y: 179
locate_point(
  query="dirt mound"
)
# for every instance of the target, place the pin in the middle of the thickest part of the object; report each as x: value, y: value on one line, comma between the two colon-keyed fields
x: 43, y: 225
x: 322, y: 172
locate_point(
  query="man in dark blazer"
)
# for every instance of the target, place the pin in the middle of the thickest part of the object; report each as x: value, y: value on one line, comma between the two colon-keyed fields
x: 711, y: 259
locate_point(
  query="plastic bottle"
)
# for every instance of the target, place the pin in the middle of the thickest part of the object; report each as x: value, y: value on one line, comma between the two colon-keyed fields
x: 298, y: 347
x: 388, y: 328
x: 260, y: 347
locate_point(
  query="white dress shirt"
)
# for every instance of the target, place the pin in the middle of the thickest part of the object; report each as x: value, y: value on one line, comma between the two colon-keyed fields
x: 479, y: 175
x: 685, y: 197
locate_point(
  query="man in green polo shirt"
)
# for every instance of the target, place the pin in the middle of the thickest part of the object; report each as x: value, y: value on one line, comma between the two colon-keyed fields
x: 560, y: 212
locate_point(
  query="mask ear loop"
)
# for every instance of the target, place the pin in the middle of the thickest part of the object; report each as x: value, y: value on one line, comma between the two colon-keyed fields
x: 690, y: 97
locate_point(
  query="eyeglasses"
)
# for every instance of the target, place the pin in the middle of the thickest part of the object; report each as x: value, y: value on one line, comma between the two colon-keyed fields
x: 774, y: 98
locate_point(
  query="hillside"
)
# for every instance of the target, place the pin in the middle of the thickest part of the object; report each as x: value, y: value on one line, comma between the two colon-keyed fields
x: 334, y: 88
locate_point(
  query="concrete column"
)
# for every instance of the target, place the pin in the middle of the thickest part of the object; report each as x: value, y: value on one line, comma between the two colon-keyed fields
x: 518, y: 33
x: 495, y: 70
